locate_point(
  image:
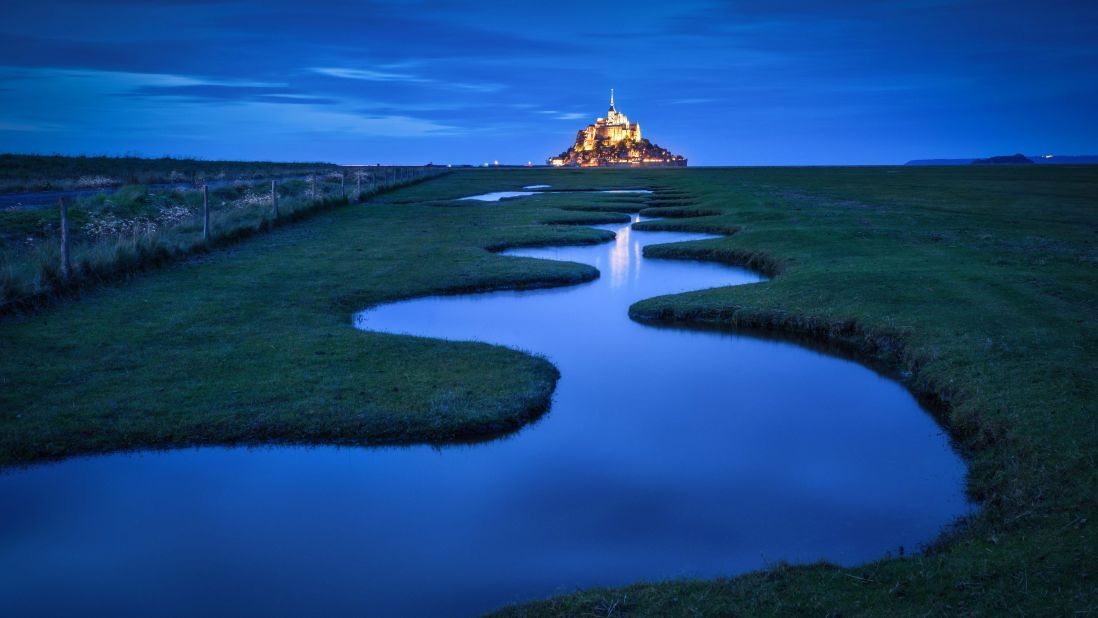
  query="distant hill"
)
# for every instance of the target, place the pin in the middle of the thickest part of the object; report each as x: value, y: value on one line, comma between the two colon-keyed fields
x: 1015, y: 159
x: 1038, y: 159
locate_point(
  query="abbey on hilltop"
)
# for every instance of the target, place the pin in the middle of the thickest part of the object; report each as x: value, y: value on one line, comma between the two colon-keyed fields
x: 615, y: 142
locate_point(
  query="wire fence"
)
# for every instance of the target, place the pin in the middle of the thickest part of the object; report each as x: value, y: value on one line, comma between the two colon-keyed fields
x: 101, y: 236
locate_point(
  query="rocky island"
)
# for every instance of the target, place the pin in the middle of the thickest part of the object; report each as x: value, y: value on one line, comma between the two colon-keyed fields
x: 615, y: 142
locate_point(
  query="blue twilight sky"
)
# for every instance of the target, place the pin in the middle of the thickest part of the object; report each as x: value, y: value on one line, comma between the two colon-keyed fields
x: 751, y: 82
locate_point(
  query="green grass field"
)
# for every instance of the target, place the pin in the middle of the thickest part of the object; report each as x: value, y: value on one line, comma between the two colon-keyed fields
x: 977, y: 286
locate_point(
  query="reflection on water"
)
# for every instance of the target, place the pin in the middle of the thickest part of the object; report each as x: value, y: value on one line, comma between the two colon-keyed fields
x: 624, y: 258
x: 667, y: 453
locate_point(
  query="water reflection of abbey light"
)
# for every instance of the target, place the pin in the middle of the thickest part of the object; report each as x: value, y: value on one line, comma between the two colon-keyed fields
x: 625, y: 257
x: 615, y: 142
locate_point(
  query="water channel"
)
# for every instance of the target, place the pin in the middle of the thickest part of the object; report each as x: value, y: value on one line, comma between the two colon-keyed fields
x: 667, y: 453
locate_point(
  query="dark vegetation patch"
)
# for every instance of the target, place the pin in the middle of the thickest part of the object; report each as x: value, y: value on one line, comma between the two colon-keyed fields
x: 592, y: 219
x: 678, y: 212
x: 565, y: 237
x: 661, y: 200
x: 617, y: 207
x: 716, y: 252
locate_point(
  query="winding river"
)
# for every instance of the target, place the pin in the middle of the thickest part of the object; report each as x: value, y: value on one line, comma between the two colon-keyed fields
x: 667, y: 453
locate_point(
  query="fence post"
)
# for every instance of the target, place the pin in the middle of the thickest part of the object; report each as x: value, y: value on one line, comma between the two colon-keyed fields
x: 274, y: 199
x: 342, y: 184
x: 314, y: 186
x: 358, y: 185
x: 205, y: 213
x: 66, y: 265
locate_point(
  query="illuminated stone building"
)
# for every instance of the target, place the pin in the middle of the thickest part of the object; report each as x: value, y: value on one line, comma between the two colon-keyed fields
x: 615, y: 142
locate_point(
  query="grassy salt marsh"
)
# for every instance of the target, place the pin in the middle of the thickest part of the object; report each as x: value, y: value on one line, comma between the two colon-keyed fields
x: 52, y: 173
x: 253, y: 343
x: 976, y: 286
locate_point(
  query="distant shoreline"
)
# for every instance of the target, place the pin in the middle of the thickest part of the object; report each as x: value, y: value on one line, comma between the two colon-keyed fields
x: 1039, y: 159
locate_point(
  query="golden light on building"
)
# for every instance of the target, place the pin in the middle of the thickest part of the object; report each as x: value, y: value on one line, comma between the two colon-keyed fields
x: 614, y: 141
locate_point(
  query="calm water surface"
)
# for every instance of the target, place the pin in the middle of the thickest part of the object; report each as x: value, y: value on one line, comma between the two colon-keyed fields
x: 496, y: 196
x: 667, y: 453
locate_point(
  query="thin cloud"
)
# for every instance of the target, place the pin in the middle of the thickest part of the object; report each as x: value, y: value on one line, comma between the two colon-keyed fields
x: 29, y: 127
x: 559, y: 115
x: 371, y: 75
x: 316, y: 119
x: 163, y: 103
x: 698, y: 101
